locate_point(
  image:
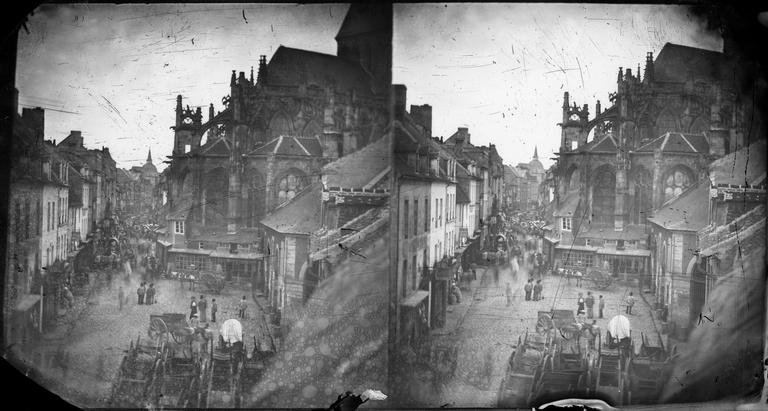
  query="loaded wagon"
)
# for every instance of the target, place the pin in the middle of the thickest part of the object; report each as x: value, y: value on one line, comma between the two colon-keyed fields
x: 136, y: 375
x: 523, y: 369
x: 253, y: 369
x: 613, y: 358
x: 647, y: 372
x: 223, y: 368
x: 564, y: 370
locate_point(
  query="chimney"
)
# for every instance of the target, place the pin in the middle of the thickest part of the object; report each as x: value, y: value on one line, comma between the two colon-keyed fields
x: 399, y: 92
x: 423, y: 116
x: 462, y: 135
x: 35, y: 119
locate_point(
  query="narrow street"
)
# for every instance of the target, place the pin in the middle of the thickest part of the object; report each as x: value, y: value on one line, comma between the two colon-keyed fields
x: 485, y: 326
x: 93, y: 335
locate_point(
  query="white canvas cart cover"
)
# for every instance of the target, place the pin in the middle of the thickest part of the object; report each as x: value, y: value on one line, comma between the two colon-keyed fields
x: 619, y: 327
x: 231, y: 331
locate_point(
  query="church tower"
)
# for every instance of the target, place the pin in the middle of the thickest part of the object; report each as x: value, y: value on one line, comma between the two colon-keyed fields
x: 574, y: 125
x: 366, y: 37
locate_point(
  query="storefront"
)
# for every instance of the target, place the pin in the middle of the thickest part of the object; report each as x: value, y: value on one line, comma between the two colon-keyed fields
x: 550, y: 241
x: 25, y: 326
x: 415, y: 325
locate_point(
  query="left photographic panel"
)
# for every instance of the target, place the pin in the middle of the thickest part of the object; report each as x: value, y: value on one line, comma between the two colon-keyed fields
x: 198, y: 205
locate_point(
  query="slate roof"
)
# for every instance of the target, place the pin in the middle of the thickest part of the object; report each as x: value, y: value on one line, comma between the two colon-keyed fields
x: 291, y: 146
x: 677, y: 143
x: 360, y: 169
x: 461, y: 195
x: 568, y: 206
x: 630, y: 232
x: 291, y: 67
x: 606, y: 143
x: 747, y: 165
x: 180, y: 210
x: 674, y: 61
x: 300, y: 215
x: 687, y: 212
x: 241, y: 237
x: 218, y: 147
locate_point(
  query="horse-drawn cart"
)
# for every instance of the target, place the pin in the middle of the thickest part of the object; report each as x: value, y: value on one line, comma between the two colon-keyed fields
x: 223, y: 368
x: 137, y: 375
x: 523, y: 370
x: 600, y: 278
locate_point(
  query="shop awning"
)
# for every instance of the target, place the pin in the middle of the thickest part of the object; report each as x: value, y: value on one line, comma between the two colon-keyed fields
x: 190, y: 251
x: 236, y: 256
x: 624, y: 253
x: 26, y: 302
x: 576, y: 247
x: 415, y: 299
x: 552, y: 240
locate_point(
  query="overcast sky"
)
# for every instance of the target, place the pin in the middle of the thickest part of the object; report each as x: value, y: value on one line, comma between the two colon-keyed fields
x: 113, y: 71
x: 501, y: 69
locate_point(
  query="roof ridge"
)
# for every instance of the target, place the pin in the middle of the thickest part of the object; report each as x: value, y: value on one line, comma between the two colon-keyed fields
x: 689, y: 143
x: 296, y: 139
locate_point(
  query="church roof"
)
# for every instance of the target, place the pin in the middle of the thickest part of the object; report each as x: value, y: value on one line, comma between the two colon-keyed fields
x: 685, y: 213
x: 745, y: 166
x: 675, y: 61
x: 604, y: 144
x: 291, y: 146
x: 360, y: 169
x: 180, y: 210
x: 677, y: 143
x: 568, y: 206
x: 365, y: 18
x: 291, y: 67
x: 218, y: 147
x: 300, y: 215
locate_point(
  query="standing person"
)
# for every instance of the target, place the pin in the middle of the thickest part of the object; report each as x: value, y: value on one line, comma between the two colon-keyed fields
x: 140, y: 292
x: 630, y: 303
x: 590, y: 305
x: 214, y: 308
x: 496, y: 276
x: 151, y: 294
x: 600, y: 306
x: 120, y: 297
x: 243, y: 306
x: 580, y: 307
x: 192, y: 308
x: 528, y: 288
x: 202, y: 305
x: 537, y: 290
x: 509, y: 294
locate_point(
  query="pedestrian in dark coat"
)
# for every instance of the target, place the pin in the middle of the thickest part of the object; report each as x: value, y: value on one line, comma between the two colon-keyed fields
x: 590, y: 305
x: 537, y: 290
x: 214, y: 308
x: 141, y: 292
x: 243, y: 305
x: 509, y: 294
x: 601, y: 306
x: 192, y: 308
x: 580, y: 307
x: 528, y: 288
x: 202, y: 305
x: 151, y: 294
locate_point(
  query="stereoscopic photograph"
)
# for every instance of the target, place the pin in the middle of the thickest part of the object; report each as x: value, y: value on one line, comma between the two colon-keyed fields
x: 394, y: 206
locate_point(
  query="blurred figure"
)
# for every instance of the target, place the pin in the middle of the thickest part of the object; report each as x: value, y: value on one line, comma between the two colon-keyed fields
x: 537, y: 290
x: 243, y: 306
x: 590, y: 305
x: 630, y: 303
x: 580, y: 308
x: 509, y: 294
x: 120, y: 297
x: 202, y: 305
x: 528, y: 288
x: 141, y: 292
x: 214, y: 308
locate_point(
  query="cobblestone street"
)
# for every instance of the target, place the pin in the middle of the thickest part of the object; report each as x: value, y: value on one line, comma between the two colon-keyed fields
x: 94, y: 333
x: 485, y: 326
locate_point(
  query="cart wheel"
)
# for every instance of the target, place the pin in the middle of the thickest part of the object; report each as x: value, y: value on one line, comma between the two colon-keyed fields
x: 544, y: 324
x: 157, y: 329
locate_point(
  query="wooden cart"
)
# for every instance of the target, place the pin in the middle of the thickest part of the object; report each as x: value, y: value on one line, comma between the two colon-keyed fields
x: 523, y: 369
x: 136, y: 375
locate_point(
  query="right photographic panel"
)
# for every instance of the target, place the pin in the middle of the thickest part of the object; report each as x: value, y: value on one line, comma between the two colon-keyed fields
x: 578, y: 206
